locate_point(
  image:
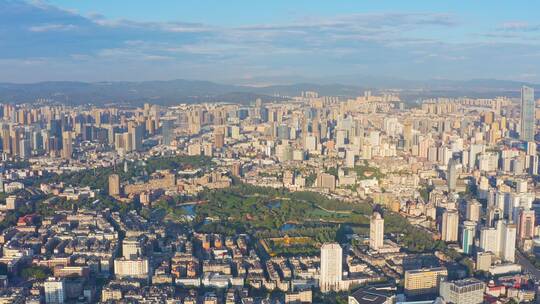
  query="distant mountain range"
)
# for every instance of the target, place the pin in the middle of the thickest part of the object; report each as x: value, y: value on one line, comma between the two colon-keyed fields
x: 195, y: 91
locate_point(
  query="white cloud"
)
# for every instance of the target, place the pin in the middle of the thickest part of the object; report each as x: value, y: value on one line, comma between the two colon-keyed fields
x: 51, y: 28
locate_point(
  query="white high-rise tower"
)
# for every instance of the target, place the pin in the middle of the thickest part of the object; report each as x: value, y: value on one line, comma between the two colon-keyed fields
x: 376, y: 231
x: 331, y: 267
x: 449, y: 226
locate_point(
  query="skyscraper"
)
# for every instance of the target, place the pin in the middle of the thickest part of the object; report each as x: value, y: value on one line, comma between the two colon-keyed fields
x: 407, y: 135
x: 526, y: 224
x: 6, y: 139
x: 331, y: 267
x: 507, y: 236
x: 67, y: 145
x: 451, y: 175
x: 473, y: 210
x: 528, y: 119
x: 467, y: 236
x: 114, y: 185
x: 376, y: 231
x: 449, y: 226
x: 489, y: 240
x: 236, y: 169
x: 219, y: 139
x: 136, y: 132
x: 167, y: 130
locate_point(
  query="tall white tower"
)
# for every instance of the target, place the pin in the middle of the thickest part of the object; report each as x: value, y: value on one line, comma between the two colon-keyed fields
x: 450, y: 225
x: 376, y: 231
x: 528, y: 121
x: 507, y: 240
x: 331, y: 267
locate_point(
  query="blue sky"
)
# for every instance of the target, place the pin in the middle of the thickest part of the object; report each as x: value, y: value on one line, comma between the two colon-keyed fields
x: 266, y: 42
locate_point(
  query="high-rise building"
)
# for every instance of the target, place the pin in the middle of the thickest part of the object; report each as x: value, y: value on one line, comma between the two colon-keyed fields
x: 450, y: 226
x: 114, y: 185
x: 451, y: 175
x: 489, y: 240
x: 466, y: 291
x: 167, y: 131
x: 136, y: 132
x: 235, y: 132
x: 123, y: 142
x: 473, y: 210
x: 194, y: 121
x: 507, y: 240
x: 25, y: 148
x: 350, y: 158
x: 467, y: 236
x: 331, y: 267
x: 283, y: 132
x: 376, y: 231
x: 407, y: 135
x: 67, y: 145
x: 219, y: 140
x: 236, y: 169
x: 526, y: 224
x: 531, y: 148
x: 6, y: 139
x: 54, y: 291
x: 528, y: 119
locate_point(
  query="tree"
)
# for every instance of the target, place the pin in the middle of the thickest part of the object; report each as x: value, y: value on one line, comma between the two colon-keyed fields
x: 35, y: 272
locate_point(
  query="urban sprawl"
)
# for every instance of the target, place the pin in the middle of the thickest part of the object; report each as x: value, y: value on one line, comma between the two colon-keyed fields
x: 316, y: 199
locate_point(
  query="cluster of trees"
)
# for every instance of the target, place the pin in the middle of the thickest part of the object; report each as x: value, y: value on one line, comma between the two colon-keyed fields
x: 417, y: 240
x: 35, y: 273
x: 252, y: 207
x: 98, y: 178
x: 11, y: 216
x: 425, y: 191
x: 231, y: 229
x: 310, y: 179
x: 169, y: 206
x: 182, y: 162
x: 263, y: 212
x: 294, y: 249
x: 100, y: 202
x: 361, y: 171
x: 329, y: 204
x: 331, y: 297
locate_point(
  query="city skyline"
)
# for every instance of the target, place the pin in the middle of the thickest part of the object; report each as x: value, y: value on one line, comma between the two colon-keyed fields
x: 267, y: 43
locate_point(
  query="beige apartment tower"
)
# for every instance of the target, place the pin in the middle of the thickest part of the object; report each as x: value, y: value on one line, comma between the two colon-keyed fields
x: 114, y: 185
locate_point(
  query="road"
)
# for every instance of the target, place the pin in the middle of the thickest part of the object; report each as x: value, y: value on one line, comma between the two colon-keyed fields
x: 527, y: 266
